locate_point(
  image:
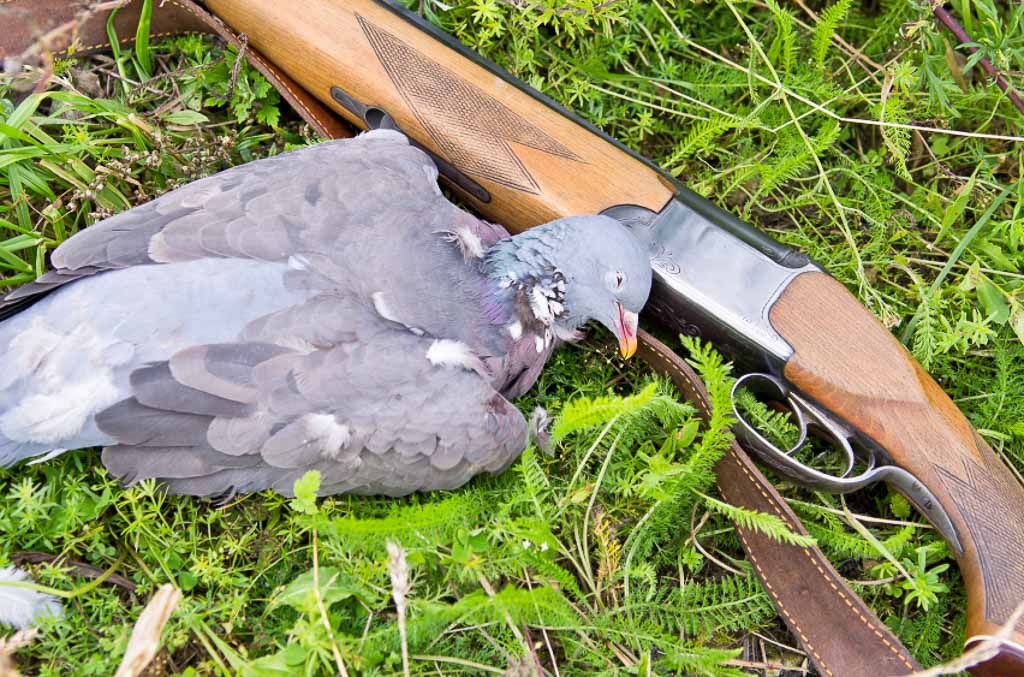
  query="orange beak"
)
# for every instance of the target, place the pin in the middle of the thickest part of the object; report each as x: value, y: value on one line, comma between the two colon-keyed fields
x: 626, y: 330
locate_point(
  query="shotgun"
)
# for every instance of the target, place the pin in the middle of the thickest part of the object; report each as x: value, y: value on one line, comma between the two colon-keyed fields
x: 795, y: 333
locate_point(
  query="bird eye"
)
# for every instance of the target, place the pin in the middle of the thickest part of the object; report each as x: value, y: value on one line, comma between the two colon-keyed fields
x: 615, y: 280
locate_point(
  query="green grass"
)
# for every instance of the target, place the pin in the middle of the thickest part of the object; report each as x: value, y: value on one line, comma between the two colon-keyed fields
x: 589, y: 557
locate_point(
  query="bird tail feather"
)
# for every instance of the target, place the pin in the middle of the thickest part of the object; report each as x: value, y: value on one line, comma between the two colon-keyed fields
x: 13, y: 451
x: 21, y: 607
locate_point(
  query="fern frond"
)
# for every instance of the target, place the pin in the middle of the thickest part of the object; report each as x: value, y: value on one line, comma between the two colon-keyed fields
x: 925, y: 345
x: 681, y: 484
x: 723, y: 605
x: 589, y: 412
x: 416, y: 524
x: 535, y: 481
x: 777, y: 426
x: 841, y: 544
x: 702, y: 135
x: 547, y: 568
x: 827, y: 135
x: 539, y: 605
x: 896, y: 139
x: 782, y: 51
x: 769, y: 525
x: 787, y: 165
x: 828, y: 21
x: 691, y: 659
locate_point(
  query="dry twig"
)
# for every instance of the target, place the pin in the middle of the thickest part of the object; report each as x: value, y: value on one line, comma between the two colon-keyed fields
x: 984, y: 650
x: 398, y: 568
x: 79, y: 568
x: 8, y: 645
x: 145, y: 639
x: 950, y: 22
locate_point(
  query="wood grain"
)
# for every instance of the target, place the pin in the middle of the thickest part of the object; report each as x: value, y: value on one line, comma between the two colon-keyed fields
x: 847, y: 361
x: 536, y: 164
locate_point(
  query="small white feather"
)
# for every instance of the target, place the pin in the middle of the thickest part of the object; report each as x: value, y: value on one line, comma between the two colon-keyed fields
x: 471, y: 242
x: 328, y: 432
x: 448, y: 353
x: 467, y: 241
x: 381, y: 306
x: 540, y: 307
x: 384, y: 310
x: 515, y: 330
x: 51, y: 454
x: 384, y: 134
x: 20, y: 607
x: 158, y: 250
x: 566, y: 334
x: 431, y: 173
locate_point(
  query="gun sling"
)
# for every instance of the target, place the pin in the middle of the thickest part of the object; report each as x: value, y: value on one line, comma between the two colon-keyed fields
x: 841, y: 636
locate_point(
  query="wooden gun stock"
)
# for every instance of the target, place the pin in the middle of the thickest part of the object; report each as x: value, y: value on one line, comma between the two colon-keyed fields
x: 900, y: 407
x: 520, y: 160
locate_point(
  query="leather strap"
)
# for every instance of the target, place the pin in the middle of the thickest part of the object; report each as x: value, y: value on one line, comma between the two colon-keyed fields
x: 31, y: 28
x: 841, y: 635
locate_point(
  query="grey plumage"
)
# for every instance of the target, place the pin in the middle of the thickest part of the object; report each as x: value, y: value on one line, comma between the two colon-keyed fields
x: 323, y: 309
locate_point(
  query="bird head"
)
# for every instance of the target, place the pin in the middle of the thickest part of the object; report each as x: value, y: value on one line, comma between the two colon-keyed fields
x: 598, y: 269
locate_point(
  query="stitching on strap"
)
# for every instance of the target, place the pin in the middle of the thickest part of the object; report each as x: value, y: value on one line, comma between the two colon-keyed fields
x: 321, y: 127
x: 829, y: 578
x: 782, y: 607
x: 165, y: 34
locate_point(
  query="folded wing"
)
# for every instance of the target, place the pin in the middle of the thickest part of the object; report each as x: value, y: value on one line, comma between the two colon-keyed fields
x: 372, y: 409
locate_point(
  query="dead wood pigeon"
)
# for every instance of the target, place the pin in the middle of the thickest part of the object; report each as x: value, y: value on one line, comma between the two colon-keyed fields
x: 323, y: 309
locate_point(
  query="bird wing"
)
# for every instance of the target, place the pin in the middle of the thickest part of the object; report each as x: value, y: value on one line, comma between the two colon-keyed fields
x: 328, y: 386
x: 341, y: 207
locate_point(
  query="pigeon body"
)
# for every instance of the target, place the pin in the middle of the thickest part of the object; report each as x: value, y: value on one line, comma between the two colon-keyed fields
x: 322, y: 309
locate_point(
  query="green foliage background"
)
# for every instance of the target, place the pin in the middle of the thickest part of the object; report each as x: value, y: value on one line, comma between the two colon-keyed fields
x: 858, y: 132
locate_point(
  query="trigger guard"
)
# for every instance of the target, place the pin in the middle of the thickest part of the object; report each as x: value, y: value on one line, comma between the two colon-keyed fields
x: 783, y: 462
x: 780, y: 393
x: 806, y: 476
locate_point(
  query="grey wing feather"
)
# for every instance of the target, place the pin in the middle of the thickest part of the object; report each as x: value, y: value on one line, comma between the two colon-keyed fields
x: 135, y: 424
x: 270, y: 209
x: 372, y: 414
x: 155, y: 386
x: 131, y: 464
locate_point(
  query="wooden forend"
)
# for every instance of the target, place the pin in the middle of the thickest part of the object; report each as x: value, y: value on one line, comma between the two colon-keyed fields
x: 536, y: 164
x: 846, y: 360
